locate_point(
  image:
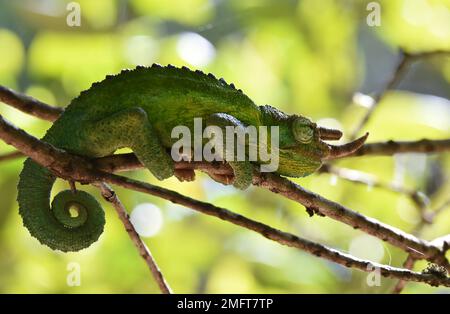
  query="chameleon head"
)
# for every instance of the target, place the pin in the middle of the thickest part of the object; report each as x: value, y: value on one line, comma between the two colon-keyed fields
x: 310, y: 148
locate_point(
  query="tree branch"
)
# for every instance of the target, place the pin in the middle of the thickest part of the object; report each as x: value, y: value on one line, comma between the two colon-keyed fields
x: 60, y: 161
x: 406, y: 59
x: 389, y: 148
x: 443, y: 242
x: 80, y: 169
x: 29, y: 104
x: 110, y: 196
x: 317, y: 204
x: 11, y: 155
x: 408, y: 264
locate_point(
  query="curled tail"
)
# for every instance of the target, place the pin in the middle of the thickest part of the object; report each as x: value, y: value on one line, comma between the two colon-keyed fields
x: 73, y: 222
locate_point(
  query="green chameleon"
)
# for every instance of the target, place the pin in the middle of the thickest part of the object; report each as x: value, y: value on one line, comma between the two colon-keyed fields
x: 138, y: 109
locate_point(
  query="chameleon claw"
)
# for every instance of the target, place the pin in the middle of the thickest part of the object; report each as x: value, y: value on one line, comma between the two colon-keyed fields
x: 73, y: 187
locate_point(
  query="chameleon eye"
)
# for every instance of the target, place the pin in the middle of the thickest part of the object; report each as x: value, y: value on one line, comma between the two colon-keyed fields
x: 303, y: 130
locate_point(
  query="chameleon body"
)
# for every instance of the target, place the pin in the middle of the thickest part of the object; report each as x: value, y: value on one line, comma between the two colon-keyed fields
x: 138, y: 109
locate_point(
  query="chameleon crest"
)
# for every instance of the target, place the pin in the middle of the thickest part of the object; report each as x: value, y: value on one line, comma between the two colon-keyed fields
x: 138, y: 109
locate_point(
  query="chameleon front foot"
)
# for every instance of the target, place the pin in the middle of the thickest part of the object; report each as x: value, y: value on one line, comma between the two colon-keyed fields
x: 224, y: 179
x: 184, y: 175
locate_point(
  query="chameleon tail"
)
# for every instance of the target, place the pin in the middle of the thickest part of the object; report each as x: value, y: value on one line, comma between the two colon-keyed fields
x: 73, y: 222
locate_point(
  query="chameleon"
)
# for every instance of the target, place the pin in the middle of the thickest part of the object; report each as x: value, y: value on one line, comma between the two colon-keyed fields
x: 137, y: 109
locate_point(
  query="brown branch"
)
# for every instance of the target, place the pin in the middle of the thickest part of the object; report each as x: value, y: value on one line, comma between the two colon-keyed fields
x: 65, y: 166
x: 318, y: 204
x: 408, y: 264
x: 406, y: 59
x: 82, y: 170
x: 29, y: 104
x: 442, y: 242
x: 110, y: 196
x: 273, y: 234
x: 322, y: 206
x: 417, y: 247
x: 389, y: 148
x: 10, y: 156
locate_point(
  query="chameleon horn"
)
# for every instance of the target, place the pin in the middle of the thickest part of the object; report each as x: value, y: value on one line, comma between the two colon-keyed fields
x: 346, y: 149
x: 329, y: 134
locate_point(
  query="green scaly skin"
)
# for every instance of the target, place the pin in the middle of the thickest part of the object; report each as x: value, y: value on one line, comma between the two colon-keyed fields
x: 138, y: 109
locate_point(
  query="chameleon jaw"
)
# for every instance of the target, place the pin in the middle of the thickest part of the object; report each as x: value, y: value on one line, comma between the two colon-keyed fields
x: 339, y: 151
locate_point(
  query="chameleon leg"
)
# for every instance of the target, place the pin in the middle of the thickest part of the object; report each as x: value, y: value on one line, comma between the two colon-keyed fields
x: 131, y: 128
x: 243, y: 170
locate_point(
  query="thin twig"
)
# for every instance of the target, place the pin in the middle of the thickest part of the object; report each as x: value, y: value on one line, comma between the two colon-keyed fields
x: 406, y: 59
x: 110, y: 196
x: 439, y: 210
x: 443, y: 242
x: 408, y: 264
x: 391, y: 83
x: 359, y: 177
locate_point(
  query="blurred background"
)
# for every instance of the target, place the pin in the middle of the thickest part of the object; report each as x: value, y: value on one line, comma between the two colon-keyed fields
x: 309, y: 57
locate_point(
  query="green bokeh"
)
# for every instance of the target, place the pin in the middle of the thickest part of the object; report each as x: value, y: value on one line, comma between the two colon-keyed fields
x: 304, y: 57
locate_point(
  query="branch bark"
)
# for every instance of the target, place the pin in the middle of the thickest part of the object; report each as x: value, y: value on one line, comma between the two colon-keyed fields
x: 80, y: 169
x: 313, y: 202
x: 11, y: 155
x: 390, y: 148
x: 29, y: 104
x: 110, y: 196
